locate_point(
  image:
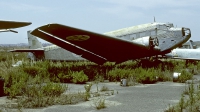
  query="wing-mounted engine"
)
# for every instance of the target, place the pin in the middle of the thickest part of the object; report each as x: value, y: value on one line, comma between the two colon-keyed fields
x: 147, y: 41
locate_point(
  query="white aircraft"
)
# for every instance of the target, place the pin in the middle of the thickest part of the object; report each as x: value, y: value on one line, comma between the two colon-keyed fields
x: 52, y: 52
x: 130, y: 43
x: 187, y: 54
x: 7, y: 26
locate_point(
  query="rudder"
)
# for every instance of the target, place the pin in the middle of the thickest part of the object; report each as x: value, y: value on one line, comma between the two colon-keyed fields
x: 33, y: 42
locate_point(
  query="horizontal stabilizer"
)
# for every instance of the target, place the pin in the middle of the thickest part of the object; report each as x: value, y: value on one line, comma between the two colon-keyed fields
x: 27, y: 50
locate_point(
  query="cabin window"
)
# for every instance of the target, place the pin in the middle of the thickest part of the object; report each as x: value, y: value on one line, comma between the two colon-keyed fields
x: 132, y: 36
x: 170, y: 25
x: 118, y: 36
x: 142, y: 34
x: 153, y: 33
x: 126, y: 37
x: 161, y: 32
x: 138, y: 35
x: 163, y: 27
x: 147, y: 33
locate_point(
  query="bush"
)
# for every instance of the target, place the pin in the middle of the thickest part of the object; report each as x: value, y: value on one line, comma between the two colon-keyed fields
x: 185, y: 75
x: 65, y: 78
x: 99, y: 103
x: 117, y: 74
x: 147, y: 76
x: 53, y: 89
x: 15, y: 82
x: 41, y: 95
x: 31, y: 70
x: 79, y: 77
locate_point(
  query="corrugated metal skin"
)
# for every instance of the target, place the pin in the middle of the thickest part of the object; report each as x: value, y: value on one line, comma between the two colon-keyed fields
x: 57, y: 53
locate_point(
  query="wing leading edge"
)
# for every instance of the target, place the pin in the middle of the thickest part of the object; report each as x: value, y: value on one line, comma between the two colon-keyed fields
x: 92, y: 46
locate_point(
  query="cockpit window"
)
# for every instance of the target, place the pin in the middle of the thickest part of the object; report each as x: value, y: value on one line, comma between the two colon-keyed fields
x: 162, y: 26
x: 169, y: 25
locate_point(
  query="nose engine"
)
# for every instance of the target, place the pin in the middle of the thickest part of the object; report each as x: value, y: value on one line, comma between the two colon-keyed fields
x: 186, y: 32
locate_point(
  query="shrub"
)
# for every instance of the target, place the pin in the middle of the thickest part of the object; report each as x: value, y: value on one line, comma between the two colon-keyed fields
x: 147, y: 76
x: 87, y: 91
x: 31, y: 70
x: 104, y: 88
x: 163, y: 75
x: 53, y: 89
x: 65, y: 77
x: 127, y: 65
x: 185, y: 75
x: 79, y: 77
x: 99, y: 103
x: 117, y: 74
x: 41, y: 95
x: 15, y: 82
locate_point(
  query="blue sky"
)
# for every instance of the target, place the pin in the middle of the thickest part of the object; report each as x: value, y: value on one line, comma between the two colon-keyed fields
x: 98, y: 15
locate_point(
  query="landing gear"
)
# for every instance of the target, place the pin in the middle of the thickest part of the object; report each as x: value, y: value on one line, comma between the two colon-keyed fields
x: 150, y: 62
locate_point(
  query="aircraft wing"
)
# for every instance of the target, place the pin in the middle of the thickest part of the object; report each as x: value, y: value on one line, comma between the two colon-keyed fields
x: 95, y: 47
x: 27, y: 50
x: 12, y: 24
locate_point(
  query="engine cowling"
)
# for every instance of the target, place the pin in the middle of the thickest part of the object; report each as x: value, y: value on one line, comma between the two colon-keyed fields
x: 147, y: 41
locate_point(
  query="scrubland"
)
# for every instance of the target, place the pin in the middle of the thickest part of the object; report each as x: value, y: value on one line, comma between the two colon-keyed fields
x: 44, y: 83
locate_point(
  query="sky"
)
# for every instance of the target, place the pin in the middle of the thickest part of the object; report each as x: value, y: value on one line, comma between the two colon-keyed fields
x: 99, y: 16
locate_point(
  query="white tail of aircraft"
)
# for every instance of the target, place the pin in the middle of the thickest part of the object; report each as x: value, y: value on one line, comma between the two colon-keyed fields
x: 37, y: 52
x: 33, y: 42
x: 192, y: 45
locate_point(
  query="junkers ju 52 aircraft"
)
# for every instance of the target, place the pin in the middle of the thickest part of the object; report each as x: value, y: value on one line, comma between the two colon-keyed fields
x: 130, y: 43
x: 51, y: 52
x: 6, y: 26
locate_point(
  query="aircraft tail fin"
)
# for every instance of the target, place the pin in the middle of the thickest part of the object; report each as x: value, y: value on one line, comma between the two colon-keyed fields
x: 192, y: 46
x: 33, y: 42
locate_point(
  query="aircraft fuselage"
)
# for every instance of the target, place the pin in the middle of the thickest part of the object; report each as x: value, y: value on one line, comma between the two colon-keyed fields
x: 168, y: 37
